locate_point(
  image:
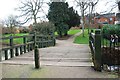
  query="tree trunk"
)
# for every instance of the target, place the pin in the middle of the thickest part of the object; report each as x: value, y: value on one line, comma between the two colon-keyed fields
x: 82, y: 23
x: 66, y: 33
x: 60, y: 34
x: 35, y: 20
x: 119, y: 5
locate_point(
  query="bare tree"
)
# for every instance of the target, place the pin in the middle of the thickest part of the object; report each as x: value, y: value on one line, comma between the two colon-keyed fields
x: 115, y: 4
x: 11, y: 22
x: 30, y: 9
x: 57, y: 0
x: 118, y: 14
x: 83, y: 5
x: 112, y: 5
x: 119, y: 5
x: 92, y: 4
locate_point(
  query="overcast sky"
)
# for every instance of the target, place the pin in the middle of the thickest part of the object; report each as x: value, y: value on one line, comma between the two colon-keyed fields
x: 7, y: 7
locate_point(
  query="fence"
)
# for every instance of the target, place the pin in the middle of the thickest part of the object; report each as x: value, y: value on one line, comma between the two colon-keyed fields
x: 28, y: 45
x: 111, y: 52
x: 104, y: 52
x: 95, y: 46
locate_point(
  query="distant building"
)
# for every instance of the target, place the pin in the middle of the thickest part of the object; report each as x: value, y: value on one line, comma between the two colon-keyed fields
x: 98, y: 20
x: 109, y: 18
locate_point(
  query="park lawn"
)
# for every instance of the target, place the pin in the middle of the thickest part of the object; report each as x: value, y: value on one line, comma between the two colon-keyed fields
x: 17, y: 40
x: 19, y: 34
x: 82, y: 40
x: 71, y: 31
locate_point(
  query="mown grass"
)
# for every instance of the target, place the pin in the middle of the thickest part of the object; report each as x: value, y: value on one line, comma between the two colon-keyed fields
x: 82, y: 40
x: 71, y: 31
x: 16, y: 41
x: 19, y: 34
x: 20, y: 40
x: 74, y: 31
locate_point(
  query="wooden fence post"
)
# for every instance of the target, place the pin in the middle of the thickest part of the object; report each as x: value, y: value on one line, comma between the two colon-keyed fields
x: 11, y: 45
x: 36, y: 57
x: 21, y: 50
x: 28, y: 47
x: 16, y: 51
x: 6, y: 54
x: 36, y: 53
x: 54, y: 41
x: 34, y: 37
x: 97, y: 55
x: 0, y: 55
x: 24, y: 41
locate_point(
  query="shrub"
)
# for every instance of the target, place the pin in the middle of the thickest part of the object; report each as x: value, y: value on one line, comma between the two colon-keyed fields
x: 24, y: 30
x: 44, y: 28
x: 8, y: 30
x: 108, y: 30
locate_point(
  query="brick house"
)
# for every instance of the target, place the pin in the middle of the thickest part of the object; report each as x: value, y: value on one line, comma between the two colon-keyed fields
x: 100, y: 20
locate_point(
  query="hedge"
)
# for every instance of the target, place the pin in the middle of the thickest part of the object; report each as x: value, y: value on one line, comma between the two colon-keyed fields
x: 109, y: 29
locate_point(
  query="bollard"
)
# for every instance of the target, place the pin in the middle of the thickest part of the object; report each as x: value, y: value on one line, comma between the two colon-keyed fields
x: 36, y: 57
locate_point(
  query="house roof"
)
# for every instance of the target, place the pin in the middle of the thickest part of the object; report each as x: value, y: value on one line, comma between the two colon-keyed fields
x: 106, y: 15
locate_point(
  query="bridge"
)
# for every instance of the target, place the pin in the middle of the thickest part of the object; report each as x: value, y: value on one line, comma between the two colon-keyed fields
x: 65, y: 60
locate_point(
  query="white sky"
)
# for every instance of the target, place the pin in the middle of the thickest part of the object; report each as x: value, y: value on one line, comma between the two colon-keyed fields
x: 7, y: 7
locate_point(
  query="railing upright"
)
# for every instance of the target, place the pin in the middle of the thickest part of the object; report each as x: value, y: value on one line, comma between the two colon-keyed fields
x: 24, y: 41
x: 11, y: 44
x: 0, y: 55
x: 6, y: 54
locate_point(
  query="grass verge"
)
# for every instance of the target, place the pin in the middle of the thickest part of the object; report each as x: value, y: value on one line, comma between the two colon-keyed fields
x: 82, y: 40
x: 71, y: 32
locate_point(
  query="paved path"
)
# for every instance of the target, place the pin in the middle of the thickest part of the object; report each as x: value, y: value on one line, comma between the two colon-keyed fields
x: 65, y: 60
x: 65, y: 53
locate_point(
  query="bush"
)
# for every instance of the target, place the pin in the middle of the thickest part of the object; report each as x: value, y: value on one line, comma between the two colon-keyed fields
x: 8, y: 30
x: 45, y: 28
x: 108, y: 30
x: 24, y: 30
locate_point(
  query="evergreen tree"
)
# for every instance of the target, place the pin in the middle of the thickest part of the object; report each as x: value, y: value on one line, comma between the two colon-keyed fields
x: 74, y: 18
x: 63, y: 17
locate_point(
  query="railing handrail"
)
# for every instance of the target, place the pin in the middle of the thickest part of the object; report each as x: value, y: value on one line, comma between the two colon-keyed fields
x: 25, y: 45
x: 29, y: 35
